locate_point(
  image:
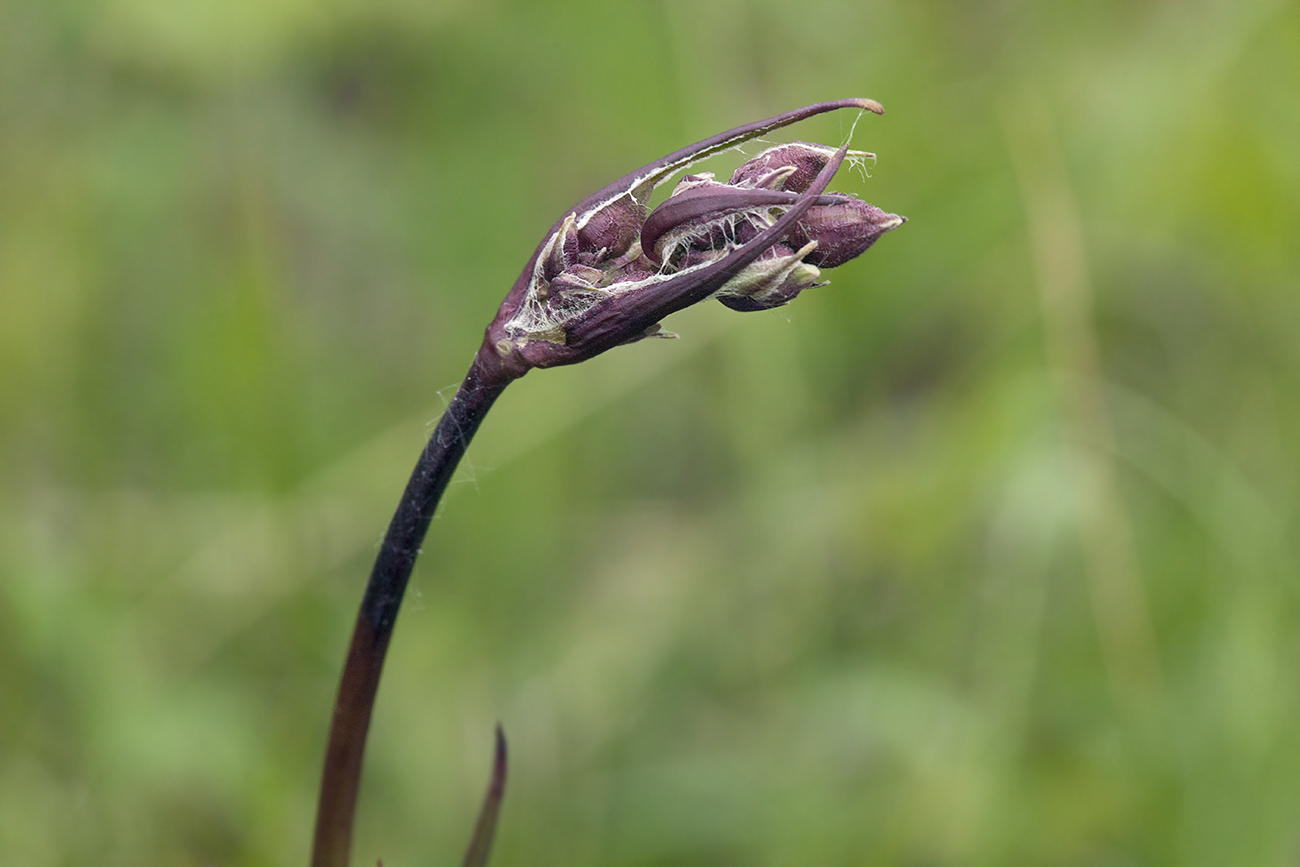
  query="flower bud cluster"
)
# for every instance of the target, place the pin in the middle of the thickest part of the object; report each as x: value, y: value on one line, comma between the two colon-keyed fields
x: 705, y: 220
x: 612, y: 268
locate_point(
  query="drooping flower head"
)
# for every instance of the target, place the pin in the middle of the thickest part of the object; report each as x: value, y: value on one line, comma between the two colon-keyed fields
x: 610, y: 269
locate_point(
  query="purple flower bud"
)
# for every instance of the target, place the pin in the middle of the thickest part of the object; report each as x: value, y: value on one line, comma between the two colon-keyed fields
x: 843, y: 230
x: 608, y: 232
x: 771, y: 281
x: 790, y: 167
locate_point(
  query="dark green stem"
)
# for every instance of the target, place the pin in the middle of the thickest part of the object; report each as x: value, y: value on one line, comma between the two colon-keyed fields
x: 336, y: 811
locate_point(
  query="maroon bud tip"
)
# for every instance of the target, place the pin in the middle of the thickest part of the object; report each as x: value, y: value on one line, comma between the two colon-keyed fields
x: 843, y: 231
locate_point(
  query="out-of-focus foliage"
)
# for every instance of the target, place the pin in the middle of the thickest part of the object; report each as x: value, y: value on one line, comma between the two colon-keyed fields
x: 985, y: 554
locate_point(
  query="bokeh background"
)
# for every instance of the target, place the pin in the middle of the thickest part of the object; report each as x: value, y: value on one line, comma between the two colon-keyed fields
x: 984, y: 554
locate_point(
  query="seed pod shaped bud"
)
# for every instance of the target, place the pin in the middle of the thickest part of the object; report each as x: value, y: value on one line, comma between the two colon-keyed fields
x: 843, y: 230
x: 771, y: 281
x: 790, y: 167
x: 609, y: 231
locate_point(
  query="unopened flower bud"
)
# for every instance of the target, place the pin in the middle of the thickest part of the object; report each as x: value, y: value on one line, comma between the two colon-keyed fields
x: 772, y: 280
x: 843, y: 230
x: 791, y: 167
x: 609, y: 231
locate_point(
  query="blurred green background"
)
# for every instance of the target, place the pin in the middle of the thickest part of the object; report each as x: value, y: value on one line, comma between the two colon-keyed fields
x: 984, y: 554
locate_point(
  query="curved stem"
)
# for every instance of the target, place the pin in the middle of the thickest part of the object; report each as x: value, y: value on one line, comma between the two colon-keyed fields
x: 336, y: 810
